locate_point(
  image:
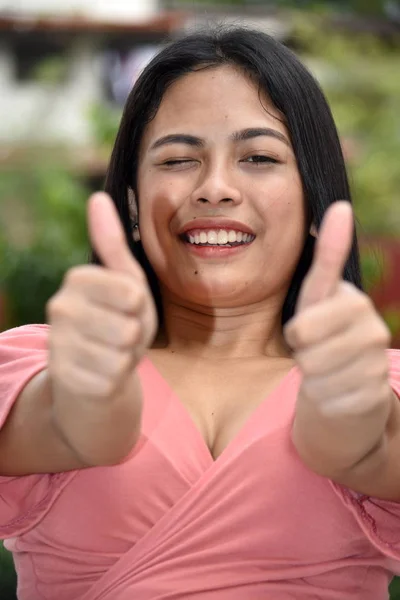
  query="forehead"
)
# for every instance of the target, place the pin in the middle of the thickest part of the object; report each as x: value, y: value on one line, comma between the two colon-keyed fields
x: 211, y: 100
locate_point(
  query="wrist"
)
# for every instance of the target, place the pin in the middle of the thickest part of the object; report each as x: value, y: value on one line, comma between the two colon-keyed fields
x: 332, y: 446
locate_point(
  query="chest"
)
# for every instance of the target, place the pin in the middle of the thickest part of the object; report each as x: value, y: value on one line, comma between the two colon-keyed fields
x: 220, y: 399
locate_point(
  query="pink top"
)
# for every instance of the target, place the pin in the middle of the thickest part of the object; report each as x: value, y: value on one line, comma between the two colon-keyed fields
x: 171, y: 524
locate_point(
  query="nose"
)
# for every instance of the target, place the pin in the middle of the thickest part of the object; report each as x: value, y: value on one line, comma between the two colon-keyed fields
x: 216, y: 186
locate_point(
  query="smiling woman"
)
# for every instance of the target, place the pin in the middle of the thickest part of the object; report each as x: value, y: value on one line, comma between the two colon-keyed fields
x: 221, y: 75
x: 245, y: 443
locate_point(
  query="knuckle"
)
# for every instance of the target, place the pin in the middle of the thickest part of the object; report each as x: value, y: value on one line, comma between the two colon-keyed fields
x: 300, y: 334
x: 73, y: 275
x: 53, y: 304
x: 135, y: 297
x: 116, y: 371
x: 58, y: 306
x: 116, y: 362
x: 362, y: 303
x: 297, y: 333
x: 130, y: 334
x: 378, y: 334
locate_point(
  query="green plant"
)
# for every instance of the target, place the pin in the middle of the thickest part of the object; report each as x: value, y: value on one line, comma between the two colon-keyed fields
x: 104, y: 121
x: 373, y: 266
x: 8, y: 579
x: 42, y: 234
x: 359, y: 76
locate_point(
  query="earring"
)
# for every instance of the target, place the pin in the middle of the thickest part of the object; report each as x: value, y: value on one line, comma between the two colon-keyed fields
x: 136, y: 232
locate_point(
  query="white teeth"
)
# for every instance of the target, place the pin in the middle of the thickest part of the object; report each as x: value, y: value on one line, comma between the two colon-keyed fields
x: 203, y: 237
x: 212, y: 237
x: 222, y: 237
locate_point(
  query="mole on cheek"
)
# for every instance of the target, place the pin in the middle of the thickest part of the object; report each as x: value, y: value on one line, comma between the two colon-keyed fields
x: 196, y: 272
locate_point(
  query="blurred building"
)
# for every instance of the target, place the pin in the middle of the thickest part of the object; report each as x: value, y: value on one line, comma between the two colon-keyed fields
x: 58, y: 58
x: 115, y: 10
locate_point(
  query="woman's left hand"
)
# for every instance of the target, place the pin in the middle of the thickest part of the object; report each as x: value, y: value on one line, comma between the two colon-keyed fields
x: 339, y: 343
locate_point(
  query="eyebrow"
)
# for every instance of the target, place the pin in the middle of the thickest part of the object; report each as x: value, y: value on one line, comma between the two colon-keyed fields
x: 178, y: 138
x: 237, y: 136
x: 248, y: 134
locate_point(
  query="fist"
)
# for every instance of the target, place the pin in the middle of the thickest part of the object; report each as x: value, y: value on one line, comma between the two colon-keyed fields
x: 103, y: 317
x: 339, y: 343
x: 102, y: 320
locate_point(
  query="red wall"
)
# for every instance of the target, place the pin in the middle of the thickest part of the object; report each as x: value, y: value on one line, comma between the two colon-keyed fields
x: 386, y: 294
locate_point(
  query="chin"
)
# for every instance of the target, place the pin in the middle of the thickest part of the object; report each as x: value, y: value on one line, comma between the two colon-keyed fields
x: 219, y: 293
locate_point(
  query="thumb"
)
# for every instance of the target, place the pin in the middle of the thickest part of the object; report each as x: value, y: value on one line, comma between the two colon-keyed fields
x: 107, y: 235
x: 331, y: 253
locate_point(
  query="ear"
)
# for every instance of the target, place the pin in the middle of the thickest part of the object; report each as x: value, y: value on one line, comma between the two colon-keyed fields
x: 136, y: 233
x: 133, y: 213
x: 132, y: 206
x: 313, y: 231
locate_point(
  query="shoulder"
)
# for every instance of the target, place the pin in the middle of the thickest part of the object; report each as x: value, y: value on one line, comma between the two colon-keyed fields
x: 26, y: 335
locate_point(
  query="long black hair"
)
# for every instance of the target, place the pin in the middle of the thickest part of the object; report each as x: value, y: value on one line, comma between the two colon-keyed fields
x: 294, y: 92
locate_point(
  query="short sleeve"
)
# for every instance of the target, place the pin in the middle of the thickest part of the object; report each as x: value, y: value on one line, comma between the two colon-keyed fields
x: 23, y: 500
x: 379, y: 519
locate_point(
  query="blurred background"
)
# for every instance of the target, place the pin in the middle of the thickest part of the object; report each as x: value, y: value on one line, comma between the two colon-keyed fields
x: 66, y: 69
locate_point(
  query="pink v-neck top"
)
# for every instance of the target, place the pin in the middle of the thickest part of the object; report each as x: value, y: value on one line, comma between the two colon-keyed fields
x: 169, y: 523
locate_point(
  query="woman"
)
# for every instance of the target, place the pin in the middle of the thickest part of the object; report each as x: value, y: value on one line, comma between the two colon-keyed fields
x: 244, y: 447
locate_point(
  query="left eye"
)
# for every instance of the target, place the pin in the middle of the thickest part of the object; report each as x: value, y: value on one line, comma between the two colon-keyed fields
x: 177, y: 161
x: 260, y: 159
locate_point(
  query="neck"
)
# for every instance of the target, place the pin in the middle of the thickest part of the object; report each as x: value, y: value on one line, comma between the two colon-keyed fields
x: 229, y: 333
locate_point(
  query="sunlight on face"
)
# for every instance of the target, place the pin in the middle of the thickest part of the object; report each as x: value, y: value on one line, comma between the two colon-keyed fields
x: 214, y: 162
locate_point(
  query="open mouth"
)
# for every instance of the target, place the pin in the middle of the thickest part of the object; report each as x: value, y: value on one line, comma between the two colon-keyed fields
x: 227, y: 238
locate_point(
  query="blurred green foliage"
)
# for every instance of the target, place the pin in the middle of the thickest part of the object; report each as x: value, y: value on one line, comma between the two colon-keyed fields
x: 104, y: 120
x: 360, y: 77
x: 8, y: 579
x: 42, y: 234
x: 367, y: 7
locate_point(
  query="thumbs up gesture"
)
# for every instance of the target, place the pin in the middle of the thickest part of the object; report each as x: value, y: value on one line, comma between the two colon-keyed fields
x: 339, y: 344
x: 102, y: 321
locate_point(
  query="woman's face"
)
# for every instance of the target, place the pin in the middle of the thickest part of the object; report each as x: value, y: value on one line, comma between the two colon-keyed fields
x: 222, y: 216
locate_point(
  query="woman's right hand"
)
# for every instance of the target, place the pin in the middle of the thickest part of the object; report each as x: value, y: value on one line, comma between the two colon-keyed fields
x: 102, y: 321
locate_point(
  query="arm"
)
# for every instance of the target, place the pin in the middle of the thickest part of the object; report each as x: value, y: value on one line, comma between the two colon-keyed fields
x: 378, y: 473
x: 31, y: 441
x: 346, y: 426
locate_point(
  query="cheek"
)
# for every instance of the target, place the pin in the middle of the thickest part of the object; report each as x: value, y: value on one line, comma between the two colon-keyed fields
x: 284, y: 217
x: 282, y: 203
x: 160, y: 196
x: 157, y: 205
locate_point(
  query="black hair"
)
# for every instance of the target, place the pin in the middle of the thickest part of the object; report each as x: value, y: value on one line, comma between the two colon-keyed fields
x: 295, y: 93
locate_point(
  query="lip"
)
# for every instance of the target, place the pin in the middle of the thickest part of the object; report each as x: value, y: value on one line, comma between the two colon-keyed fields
x: 215, y: 223
x: 216, y: 252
